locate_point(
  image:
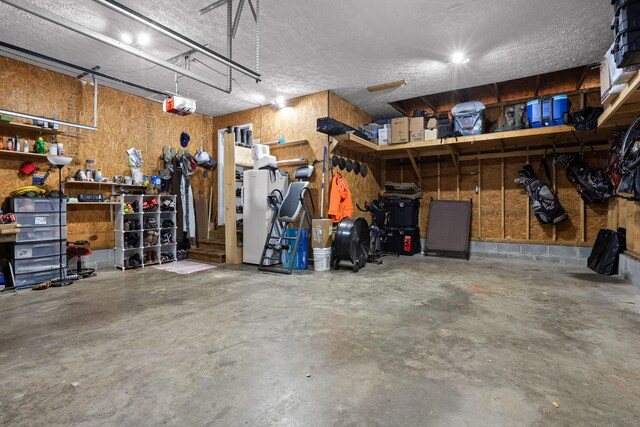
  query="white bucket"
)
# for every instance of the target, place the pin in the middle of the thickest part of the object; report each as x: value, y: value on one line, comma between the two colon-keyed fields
x: 322, y: 259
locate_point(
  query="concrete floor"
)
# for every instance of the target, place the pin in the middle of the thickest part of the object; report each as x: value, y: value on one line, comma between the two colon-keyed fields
x: 412, y: 342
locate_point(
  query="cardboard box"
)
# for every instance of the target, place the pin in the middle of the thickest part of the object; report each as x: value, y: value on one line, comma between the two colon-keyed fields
x: 321, y: 233
x: 383, y: 136
x: 399, y: 130
x: 605, y: 79
x: 430, y: 134
x: 416, y: 129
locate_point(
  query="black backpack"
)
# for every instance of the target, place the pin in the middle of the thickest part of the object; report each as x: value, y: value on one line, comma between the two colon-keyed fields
x: 544, y: 203
x: 593, y: 185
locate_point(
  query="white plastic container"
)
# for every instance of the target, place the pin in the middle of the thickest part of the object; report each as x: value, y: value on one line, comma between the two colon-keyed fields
x: 321, y: 259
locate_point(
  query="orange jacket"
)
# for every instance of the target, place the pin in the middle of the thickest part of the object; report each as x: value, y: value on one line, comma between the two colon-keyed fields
x: 340, y: 204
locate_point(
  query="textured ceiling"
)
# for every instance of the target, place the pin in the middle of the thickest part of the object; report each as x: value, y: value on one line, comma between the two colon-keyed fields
x: 344, y: 46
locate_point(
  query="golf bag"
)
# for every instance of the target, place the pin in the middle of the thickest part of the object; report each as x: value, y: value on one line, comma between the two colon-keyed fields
x: 592, y: 185
x: 606, y: 251
x: 544, y: 203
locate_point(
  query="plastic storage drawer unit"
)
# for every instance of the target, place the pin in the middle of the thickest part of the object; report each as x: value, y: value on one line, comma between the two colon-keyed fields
x: 37, y: 234
x: 33, y: 250
x: 37, y: 265
x: 29, y: 279
x: 36, y: 204
x: 40, y: 219
x: 551, y: 111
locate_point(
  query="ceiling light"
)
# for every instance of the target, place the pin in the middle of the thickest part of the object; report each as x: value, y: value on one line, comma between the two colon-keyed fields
x: 459, y: 58
x: 279, y: 102
x: 126, y: 37
x: 144, y: 39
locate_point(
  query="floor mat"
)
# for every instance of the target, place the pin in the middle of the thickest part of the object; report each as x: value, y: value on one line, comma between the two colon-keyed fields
x: 184, y: 267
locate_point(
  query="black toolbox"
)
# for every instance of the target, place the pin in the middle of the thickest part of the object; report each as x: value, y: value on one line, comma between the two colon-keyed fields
x: 626, y: 51
x: 626, y: 26
x: 402, y: 241
x: 402, y: 212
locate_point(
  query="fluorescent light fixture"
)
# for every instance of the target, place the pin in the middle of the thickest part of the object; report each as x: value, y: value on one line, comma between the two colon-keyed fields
x: 46, y: 119
x: 126, y: 37
x: 143, y: 39
x: 459, y: 58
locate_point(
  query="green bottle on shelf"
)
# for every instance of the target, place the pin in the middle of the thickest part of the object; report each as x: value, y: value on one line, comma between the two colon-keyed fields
x: 40, y: 145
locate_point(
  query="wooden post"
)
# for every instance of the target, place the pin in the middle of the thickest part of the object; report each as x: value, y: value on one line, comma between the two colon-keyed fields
x: 582, y: 220
x: 479, y: 198
x: 438, y: 177
x: 233, y: 253
x: 528, y: 208
x: 555, y: 191
x: 502, y: 195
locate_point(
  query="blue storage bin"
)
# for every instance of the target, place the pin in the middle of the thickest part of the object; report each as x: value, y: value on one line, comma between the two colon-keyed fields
x: 301, y: 260
x: 548, y: 111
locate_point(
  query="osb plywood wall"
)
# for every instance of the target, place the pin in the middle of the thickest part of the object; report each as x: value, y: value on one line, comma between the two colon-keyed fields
x: 124, y: 121
x: 297, y: 122
x: 626, y: 214
x: 501, y: 209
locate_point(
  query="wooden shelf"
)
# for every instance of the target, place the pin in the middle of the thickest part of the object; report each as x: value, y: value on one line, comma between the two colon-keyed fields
x: 498, y: 141
x: 93, y: 203
x: 292, y: 162
x: 99, y: 184
x: 23, y: 127
x: 19, y: 155
x: 354, y: 143
x: 624, y: 108
x: 287, y: 145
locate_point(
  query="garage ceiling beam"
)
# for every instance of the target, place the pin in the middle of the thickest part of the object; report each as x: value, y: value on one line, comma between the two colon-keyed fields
x: 123, y: 10
x: 75, y: 27
x: 428, y: 103
x: 583, y: 76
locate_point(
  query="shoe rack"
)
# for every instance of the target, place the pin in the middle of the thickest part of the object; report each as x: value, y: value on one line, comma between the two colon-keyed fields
x: 145, y: 230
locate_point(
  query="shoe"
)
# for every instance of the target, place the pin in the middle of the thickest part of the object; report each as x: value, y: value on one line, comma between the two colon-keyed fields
x: 150, y: 238
x: 167, y: 223
x: 135, y: 206
x: 166, y: 237
x: 150, y: 224
x: 131, y: 240
x: 135, y: 261
x: 168, y: 205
